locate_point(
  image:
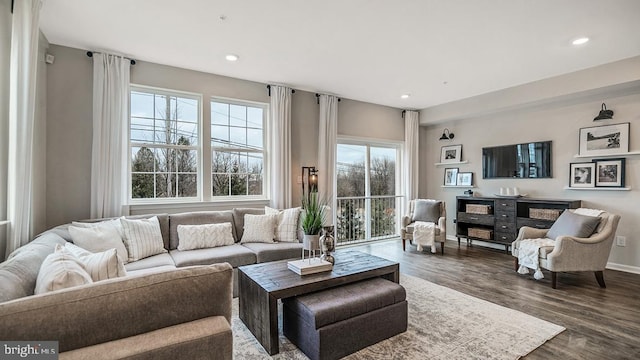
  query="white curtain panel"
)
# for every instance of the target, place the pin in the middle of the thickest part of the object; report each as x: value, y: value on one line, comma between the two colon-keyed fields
x: 110, y: 119
x: 280, y: 129
x: 25, y: 32
x: 327, y: 144
x: 411, y: 136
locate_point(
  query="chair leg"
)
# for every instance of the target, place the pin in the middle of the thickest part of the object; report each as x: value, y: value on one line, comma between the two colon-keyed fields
x: 404, y: 245
x: 442, y: 248
x: 600, y: 278
x: 554, y: 277
x: 516, y: 265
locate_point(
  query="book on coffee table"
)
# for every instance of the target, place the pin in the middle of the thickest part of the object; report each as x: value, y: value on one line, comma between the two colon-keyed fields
x: 309, y: 266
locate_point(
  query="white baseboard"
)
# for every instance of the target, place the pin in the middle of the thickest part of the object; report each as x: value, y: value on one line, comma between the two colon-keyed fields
x: 625, y: 268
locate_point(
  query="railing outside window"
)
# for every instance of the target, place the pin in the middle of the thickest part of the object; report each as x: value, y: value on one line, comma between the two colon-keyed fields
x: 366, y: 218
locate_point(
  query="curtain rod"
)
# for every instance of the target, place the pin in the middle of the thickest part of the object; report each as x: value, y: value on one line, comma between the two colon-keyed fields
x: 90, y: 54
x: 293, y: 91
x: 318, y: 98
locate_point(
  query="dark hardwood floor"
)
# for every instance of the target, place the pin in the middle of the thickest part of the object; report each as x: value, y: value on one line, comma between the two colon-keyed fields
x: 600, y: 323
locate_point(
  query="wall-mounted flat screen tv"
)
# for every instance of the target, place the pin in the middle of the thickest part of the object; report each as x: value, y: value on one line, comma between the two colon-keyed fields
x: 530, y: 160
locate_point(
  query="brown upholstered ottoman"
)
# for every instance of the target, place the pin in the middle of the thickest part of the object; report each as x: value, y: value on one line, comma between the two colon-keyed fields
x: 336, y: 322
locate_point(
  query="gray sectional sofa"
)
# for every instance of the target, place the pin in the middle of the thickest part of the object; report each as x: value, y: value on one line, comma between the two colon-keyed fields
x: 170, y: 270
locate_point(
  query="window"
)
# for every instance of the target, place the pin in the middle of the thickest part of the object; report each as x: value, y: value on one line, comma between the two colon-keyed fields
x: 164, y: 144
x: 237, y: 148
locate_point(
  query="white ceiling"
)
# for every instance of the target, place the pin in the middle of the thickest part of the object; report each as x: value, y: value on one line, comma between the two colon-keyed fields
x: 370, y: 50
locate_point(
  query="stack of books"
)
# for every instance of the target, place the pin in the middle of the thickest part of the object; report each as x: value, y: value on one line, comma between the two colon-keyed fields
x: 309, y: 266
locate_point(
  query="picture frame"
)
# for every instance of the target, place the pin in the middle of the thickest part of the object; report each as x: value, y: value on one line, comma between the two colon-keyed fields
x: 464, y: 179
x: 451, y: 154
x: 610, y: 172
x: 604, y: 140
x: 450, y: 176
x: 582, y: 175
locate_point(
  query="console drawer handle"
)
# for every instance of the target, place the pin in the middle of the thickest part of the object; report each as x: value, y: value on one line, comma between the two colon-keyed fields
x: 503, y: 215
x: 504, y: 204
x: 504, y: 226
x: 504, y: 238
x: 473, y: 218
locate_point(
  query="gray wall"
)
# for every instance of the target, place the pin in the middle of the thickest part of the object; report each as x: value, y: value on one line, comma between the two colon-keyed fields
x: 558, y: 121
x: 5, y: 49
x: 70, y: 112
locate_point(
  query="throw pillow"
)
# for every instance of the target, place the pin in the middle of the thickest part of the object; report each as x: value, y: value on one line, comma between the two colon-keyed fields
x: 102, y: 265
x: 204, y: 236
x: 259, y: 228
x: 142, y: 238
x: 426, y: 210
x: 61, y: 270
x: 287, y: 228
x: 97, y: 237
x: 570, y: 224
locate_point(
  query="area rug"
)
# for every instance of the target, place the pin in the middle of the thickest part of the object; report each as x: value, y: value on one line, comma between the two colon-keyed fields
x: 443, y: 324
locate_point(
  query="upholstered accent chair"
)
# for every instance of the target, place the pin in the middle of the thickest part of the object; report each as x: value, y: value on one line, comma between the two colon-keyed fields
x: 572, y: 253
x: 438, y: 217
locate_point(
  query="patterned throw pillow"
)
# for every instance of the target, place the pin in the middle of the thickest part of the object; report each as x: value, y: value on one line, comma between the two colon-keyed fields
x: 102, y: 265
x: 287, y: 228
x: 204, y: 236
x: 259, y: 228
x: 142, y: 237
x: 100, y: 236
x: 61, y: 270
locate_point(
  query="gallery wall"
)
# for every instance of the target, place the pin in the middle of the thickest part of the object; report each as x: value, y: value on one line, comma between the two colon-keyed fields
x: 69, y: 127
x: 559, y: 122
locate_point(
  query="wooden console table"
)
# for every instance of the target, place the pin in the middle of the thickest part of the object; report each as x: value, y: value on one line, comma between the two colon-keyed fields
x: 261, y: 285
x: 505, y: 218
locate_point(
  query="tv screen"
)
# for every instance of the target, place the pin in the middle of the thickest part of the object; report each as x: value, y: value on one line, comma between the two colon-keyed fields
x: 530, y: 160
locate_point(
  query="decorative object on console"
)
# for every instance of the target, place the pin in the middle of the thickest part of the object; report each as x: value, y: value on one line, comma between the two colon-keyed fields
x: 582, y: 175
x: 446, y: 135
x: 604, y: 114
x: 604, y: 140
x: 450, y: 176
x: 464, y: 179
x: 610, y: 172
x: 451, y: 154
x: 327, y: 241
x: 313, y: 219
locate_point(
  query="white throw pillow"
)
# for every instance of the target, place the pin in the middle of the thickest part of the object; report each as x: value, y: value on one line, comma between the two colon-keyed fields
x: 102, y: 265
x: 61, y: 270
x: 97, y: 237
x: 287, y: 229
x: 142, y: 237
x: 204, y: 236
x: 259, y: 228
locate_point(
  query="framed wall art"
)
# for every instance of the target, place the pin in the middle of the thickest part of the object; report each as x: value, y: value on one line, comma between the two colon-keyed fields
x: 450, y: 176
x: 610, y: 172
x: 465, y: 179
x: 582, y: 175
x: 451, y: 154
x: 604, y: 140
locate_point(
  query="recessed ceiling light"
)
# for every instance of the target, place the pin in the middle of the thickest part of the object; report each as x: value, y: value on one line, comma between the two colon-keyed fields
x: 580, y: 41
x: 404, y: 96
x: 231, y: 57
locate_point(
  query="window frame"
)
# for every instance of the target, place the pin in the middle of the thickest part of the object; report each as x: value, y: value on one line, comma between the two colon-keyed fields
x: 198, y: 148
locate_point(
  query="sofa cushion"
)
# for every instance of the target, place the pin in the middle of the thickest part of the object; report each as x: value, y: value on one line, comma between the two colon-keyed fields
x: 259, y: 228
x: 570, y: 224
x: 61, y: 270
x: 152, y: 270
x: 142, y: 237
x: 288, y: 223
x: 197, y: 218
x: 99, y: 237
x: 163, y: 219
x: 236, y: 255
x: 426, y: 210
x: 277, y: 251
x: 163, y: 259
x: 101, y: 265
x: 411, y: 228
x: 205, y: 236
x: 19, y: 272
x: 238, y: 219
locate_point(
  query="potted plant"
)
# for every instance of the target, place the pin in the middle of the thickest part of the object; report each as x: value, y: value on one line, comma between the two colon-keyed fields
x: 313, y: 214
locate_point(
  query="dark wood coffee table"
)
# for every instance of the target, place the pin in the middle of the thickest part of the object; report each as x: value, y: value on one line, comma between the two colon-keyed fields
x: 261, y: 285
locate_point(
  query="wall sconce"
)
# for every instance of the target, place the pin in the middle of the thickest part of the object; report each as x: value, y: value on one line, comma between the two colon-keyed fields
x: 604, y: 114
x: 310, y: 175
x: 446, y: 135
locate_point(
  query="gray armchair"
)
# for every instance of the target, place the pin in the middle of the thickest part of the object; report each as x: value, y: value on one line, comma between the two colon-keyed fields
x: 573, y: 253
x: 408, y: 225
